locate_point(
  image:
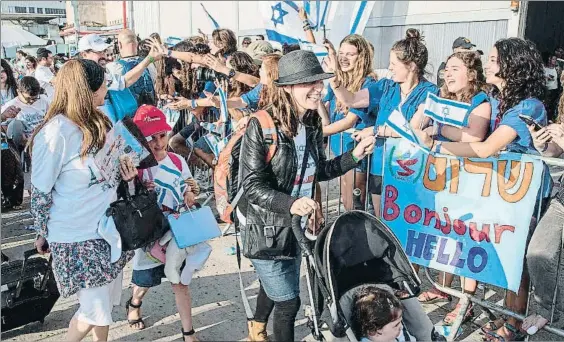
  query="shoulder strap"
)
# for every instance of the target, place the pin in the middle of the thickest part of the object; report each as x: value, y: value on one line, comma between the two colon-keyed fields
x: 269, y: 133
x: 175, y: 160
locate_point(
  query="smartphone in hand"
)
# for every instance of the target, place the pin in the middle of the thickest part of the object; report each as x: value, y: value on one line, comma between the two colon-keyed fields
x: 530, y: 122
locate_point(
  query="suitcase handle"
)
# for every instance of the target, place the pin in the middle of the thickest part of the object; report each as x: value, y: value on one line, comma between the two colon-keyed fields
x: 27, y: 255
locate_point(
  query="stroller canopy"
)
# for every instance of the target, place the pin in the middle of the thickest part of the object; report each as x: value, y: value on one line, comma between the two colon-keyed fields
x: 359, y: 249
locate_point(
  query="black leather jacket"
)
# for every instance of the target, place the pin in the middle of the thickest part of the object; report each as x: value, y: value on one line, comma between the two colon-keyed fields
x: 267, y: 187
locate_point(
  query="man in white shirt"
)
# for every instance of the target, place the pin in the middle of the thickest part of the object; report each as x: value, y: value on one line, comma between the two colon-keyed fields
x: 93, y: 47
x: 27, y: 111
x: 43, y: 72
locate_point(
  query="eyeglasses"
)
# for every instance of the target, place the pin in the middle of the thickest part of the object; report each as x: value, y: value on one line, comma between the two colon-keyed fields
x: 29, y: 99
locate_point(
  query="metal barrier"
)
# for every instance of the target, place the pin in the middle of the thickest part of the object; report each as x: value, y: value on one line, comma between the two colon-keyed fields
x: 465, y: 298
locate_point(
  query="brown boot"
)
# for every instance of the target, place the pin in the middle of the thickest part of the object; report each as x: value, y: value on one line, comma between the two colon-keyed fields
x: 257, y: 332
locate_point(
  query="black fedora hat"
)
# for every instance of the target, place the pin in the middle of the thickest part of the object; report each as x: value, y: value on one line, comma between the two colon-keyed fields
x: 298, y: 67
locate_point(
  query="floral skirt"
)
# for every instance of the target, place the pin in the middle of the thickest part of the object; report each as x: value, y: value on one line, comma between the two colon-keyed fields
x: 86, y: 264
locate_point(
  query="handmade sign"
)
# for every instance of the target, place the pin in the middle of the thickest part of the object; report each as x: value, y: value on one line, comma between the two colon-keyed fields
x: 465, y: 216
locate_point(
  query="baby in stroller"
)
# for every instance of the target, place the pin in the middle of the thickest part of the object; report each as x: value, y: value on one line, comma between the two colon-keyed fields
x: 377, y: 316
x: 359, y: 252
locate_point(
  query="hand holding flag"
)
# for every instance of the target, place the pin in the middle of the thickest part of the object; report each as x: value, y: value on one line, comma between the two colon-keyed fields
x: 448, y: 112
x: 397, y: 122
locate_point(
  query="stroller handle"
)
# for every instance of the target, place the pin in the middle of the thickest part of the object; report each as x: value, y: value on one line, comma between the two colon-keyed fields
x: 299, y: 234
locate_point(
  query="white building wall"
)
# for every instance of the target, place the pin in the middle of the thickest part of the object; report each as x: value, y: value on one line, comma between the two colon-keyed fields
x: 441, y: 22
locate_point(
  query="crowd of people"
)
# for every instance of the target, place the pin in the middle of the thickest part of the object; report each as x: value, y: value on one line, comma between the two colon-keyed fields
x: 57, y: 115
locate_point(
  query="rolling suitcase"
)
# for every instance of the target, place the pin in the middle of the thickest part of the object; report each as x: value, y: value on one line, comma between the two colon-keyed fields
x: 29, y: 291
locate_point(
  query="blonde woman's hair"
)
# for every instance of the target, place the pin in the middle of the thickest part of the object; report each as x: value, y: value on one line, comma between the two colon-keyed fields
x: 74, y: 99
x: 269, y: 90
x: 227, y: 39
x: 353, y: 80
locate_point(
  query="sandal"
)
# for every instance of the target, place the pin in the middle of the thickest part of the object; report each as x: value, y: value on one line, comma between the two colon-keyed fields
x: 133, y: 322
x: 434, y: 296
x: 493, y: 325
x: 188, y: 333
x: 514, y: 334
x: 451, y: 316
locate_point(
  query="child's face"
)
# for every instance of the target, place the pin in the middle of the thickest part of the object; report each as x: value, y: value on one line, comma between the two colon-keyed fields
x: 158, y: 145
x: 389, y: 332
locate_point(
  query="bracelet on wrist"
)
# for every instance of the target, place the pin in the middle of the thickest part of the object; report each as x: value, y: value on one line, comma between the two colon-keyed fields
x: 194, y: 104
x: 356, y: 160
x: 545, y: 147
x: 151, y: 59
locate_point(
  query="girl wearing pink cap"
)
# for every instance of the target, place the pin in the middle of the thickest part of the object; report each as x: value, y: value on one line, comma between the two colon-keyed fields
x: 168, y: 179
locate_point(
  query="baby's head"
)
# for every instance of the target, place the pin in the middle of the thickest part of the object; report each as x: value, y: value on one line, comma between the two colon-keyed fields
x: 152, y: 123
x: 377, y: 314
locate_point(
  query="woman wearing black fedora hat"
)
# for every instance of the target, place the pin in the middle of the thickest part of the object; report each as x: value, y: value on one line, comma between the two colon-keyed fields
x: 283, y: 187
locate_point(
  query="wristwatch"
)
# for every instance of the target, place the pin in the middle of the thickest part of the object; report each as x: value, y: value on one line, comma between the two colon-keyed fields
x: 231, y: 73
x: 214, y: 162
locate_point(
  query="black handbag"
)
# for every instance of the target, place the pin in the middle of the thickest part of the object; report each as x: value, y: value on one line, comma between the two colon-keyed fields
x: 138, y: 218
x: 271, y: 242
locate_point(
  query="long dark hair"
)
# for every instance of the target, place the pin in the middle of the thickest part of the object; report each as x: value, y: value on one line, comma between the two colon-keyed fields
x: 11, y: 84
x: 412, y: 49
x: 522, y: 69
x: 243, y: 63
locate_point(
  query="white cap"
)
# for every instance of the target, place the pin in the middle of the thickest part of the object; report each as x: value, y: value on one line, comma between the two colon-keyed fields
x: 92, y: 42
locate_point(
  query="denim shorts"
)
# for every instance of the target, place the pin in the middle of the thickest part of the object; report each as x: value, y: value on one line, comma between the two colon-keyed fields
x: 148, y: 278
x: 280, y: 279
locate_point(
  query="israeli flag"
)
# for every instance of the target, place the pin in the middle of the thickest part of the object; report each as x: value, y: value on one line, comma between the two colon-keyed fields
x: 347, y: 17
x: 216, y: 143
x: 171, y: 41
x: 213, y: 21
x: 282, y: 23
x: 448, y: 112
x: 224, y: 114
x: 401, y: 126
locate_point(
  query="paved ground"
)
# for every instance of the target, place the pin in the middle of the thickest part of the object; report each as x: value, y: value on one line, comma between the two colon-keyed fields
x: 217, y: 308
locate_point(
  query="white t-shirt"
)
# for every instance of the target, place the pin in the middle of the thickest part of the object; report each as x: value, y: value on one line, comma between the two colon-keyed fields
x: 306, y: 189
x: 6, y: 96
x: 44, y: 75
x: 80, y: 194
x: 31, y: 115
x: 309, y: 175
x: 117, y: 68
x: 170, y: 188
x: 551, y: 78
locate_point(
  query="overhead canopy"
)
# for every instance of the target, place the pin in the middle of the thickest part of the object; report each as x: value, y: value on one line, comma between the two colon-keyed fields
x: 13, y: 36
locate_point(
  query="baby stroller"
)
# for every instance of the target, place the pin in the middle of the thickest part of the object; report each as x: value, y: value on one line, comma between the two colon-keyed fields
x: 357, y: 250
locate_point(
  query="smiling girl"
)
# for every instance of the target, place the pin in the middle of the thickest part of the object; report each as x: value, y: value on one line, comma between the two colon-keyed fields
x: 405, y: 92
x: 275, y: 191
x: 515, y: 71
x: 353, y: 71
x: 465, y: 82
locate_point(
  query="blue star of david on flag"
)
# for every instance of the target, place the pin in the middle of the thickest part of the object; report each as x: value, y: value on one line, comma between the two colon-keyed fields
x: 281, y: 14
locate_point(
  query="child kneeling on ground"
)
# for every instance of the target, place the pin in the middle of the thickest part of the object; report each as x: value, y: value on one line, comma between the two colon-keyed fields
x: 173, y: 182
x: 377, y: 316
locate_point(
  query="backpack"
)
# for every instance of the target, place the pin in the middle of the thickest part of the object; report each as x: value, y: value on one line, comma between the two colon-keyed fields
x: 226, y: 171
x: 143, y: 89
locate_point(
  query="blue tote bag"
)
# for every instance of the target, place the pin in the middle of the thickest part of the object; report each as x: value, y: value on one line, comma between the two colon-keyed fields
x: 194, y: 226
